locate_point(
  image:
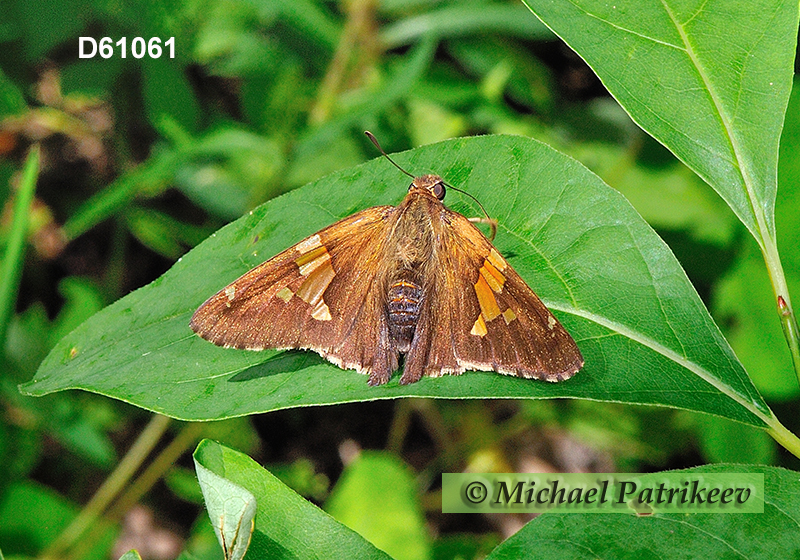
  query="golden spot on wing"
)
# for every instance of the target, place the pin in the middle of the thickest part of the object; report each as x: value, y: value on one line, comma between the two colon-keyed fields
x: 489, y: 307
x: 285, y: 294
x: 498, y: 261
x: 312, y: 260
x: 479, y: 328
x: 314, y: 286
x: 509, y: 315
x: 230, y: 293
x: 321, y: 312
x: 308, y: 244
x: 551, y: 322
x: 315, y: 265
x: 493, y: 277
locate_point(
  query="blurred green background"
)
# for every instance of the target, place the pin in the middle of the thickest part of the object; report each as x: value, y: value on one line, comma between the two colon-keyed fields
x: 143, y: 158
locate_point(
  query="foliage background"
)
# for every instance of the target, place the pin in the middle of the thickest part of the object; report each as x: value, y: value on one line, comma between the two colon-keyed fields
x: 143, y: 159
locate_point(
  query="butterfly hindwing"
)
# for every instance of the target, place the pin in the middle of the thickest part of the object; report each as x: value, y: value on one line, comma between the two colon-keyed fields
x: 310, y: 296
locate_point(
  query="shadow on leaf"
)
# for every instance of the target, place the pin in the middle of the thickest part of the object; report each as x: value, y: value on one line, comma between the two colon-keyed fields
x: 288, y: 361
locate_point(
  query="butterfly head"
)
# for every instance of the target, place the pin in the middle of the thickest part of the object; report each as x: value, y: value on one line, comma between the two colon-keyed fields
x: 431, y: 184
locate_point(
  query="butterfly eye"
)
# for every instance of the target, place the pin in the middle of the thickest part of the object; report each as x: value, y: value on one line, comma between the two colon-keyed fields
x: 439, y: 190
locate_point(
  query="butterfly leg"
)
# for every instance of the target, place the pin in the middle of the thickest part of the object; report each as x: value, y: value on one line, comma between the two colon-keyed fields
x: 417, y: 356
x: 380, y: 375
x: 492, y: 224
x: 384, y: 362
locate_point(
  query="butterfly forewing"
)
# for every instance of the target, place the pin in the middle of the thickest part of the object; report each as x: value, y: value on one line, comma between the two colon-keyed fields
x: 485, y: 316
x: 310, y: 296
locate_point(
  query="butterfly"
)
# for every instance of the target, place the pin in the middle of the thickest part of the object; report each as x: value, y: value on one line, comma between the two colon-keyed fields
x: 416, y: 280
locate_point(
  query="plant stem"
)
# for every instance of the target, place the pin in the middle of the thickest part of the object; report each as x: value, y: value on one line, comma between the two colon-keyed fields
x: 15, y: 250
x: 790, y: 331
x: 185, y: 439
x: 788, y: 319
x: 783, y: 436
x: 358, y: 32
x: 110, y: 488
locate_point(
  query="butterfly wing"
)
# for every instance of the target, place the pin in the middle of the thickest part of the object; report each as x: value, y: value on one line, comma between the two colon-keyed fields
x: 320, y: 295
x: 480, y: 315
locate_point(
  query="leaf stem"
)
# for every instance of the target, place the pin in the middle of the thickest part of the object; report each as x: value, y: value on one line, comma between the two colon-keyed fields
x: 15, y: 250
x: 186, y: 439
x: 111, y: 487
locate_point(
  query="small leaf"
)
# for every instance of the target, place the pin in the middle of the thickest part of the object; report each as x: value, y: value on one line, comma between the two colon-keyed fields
x: 286, y: 526
x: 232, y: 511
x: 130, y: 555
x: 376, y: 497
x: 464, y: 21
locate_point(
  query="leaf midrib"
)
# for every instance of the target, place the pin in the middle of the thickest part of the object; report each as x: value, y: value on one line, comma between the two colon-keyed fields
x: 727, y: 127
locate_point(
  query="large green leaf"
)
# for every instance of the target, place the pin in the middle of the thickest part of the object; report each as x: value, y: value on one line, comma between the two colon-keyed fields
x: 568, y: 536
x: 710, y: 79
x: 286, y: 525
x: 645, y: 334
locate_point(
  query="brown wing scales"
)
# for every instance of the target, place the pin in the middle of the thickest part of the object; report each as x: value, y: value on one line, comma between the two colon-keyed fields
x: 311, y: 296
x: 487, y: 319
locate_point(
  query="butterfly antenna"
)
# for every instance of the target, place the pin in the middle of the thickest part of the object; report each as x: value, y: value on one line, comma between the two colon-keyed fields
x: 377, y: 145
x: 492, y: 223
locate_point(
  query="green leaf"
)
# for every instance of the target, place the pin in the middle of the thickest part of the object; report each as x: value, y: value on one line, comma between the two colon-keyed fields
x: 464, y: 21
x: 286, y: 525
x: 612, y: 282
x: 12, y: 101
x: 712, y: 535
x: 376, y: 496
x: 47, y: 24
x: 167, y: 91
x: 130, y: 555
x: 151, y: 176
x: 14, y: 253
x: 709, y: 80
x: 232, y: 510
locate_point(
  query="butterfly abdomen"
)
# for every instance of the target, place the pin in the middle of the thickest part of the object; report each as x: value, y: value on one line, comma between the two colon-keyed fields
x: 403, y: 307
